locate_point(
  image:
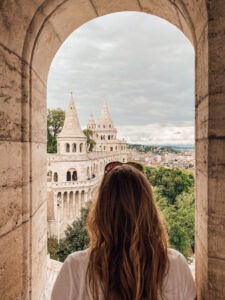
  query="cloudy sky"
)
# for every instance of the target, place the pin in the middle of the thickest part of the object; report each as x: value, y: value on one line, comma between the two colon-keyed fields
x: 141, y: 65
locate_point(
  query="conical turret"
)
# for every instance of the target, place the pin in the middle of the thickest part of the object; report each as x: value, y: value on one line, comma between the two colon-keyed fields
x: 71, y: 139
x: 91, y: 122
x: 105, y: 120
x: 71, y: 127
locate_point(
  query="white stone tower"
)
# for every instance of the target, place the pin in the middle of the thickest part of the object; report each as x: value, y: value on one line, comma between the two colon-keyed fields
x: 71, y: 139
x: 105, y: 133
x: 91, y: 123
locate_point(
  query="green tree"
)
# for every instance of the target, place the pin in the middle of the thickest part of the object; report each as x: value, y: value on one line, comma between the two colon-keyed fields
x: 76, y: 237
x: 174, y: 193
x: 170, y: 182
x: 90, y: 141
x: 52, y: 248
x: 55, y: 120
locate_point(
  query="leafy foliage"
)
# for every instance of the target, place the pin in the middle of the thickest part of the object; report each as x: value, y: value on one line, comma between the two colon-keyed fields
x: 90, y: 142
x: 55, y: 120
x: 174, y: 192
x: 170, y: 182
x: 52, y: 248
x: 76, y: 237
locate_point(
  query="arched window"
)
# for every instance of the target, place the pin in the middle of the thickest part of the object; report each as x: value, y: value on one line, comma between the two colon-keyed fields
x: 88, y: 173
x: 109, y: 125
x: 49, y: 176
x: 68, y: 176
x: 67, y: 147
x: 108, y: 137
x: 55, y: 177
x: 74, y: 148
x: 74, y: 176
x: 81, y: 147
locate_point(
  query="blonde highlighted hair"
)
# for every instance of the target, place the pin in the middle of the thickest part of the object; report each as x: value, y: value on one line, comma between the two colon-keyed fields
x: 128, y: 242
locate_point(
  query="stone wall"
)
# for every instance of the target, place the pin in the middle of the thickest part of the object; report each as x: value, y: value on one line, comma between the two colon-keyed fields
x: 26, y: 27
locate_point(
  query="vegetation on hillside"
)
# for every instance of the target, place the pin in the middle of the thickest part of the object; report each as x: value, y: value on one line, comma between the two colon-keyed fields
x: 151, y: 148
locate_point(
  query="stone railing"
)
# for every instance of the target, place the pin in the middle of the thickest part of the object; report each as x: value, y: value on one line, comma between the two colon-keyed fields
x: 90, y: 155
x: 53, y: 268
x: 78, y: 184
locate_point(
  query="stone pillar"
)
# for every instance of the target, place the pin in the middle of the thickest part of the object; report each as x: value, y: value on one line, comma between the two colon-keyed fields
x: 85, y: 197
x: 74, y: 206
x: 210, y: 154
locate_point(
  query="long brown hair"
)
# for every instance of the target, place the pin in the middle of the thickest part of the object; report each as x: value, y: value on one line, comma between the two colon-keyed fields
x: 128, y: 242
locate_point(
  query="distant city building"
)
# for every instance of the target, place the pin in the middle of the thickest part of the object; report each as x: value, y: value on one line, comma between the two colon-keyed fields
x: 73, y: 173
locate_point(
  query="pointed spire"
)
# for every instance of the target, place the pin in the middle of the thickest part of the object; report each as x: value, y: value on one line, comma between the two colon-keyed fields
x: 105, y: 118
x: 91, y: 120
x: 71, y: 127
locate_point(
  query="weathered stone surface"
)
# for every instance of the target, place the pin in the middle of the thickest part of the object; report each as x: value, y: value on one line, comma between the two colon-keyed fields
x: 38, y: 130
x: 11, y: 170
x: 15, y: 17
x: 10, y: 96
x: 202, y: 87
x: 216, y: 286
x: 39, y: 175
x: 39, y: 251
x: 11, y: 209
x: 202, y: 122
x: 217, y: 233
x: 11, y: 264
x: 112, y: 6
x: 216, y: 116
x: 198, y: 13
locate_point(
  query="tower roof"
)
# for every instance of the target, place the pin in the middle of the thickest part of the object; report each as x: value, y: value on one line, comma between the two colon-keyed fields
x: 91, y: 120
x: 105, y: 118
x: 71, y: 127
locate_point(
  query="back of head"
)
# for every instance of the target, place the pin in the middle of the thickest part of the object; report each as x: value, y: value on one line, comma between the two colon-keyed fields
x: 128, y: 241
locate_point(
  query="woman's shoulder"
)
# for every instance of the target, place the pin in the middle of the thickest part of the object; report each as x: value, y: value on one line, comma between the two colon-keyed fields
x: 79, y: 257
x: 177, y: 259
x: 174, y: 255
x: 179, y: 282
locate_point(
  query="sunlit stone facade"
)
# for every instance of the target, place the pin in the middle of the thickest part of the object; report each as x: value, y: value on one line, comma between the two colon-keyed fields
x: 73, y: 173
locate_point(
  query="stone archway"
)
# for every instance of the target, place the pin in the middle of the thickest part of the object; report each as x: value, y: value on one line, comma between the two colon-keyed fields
x: 30, y: 34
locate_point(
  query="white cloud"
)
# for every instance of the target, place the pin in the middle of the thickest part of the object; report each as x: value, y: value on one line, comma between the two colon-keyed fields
x: 157, y: 134
x: 142, y: 65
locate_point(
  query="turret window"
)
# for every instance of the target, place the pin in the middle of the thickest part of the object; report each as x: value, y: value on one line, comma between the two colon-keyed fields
x: 68, y: 176
x: 81, y: 147
x: 67, y: 147
x: 49, y: 176
x: 55, y: 177
x: 74, y: 176
x: 74, y: 148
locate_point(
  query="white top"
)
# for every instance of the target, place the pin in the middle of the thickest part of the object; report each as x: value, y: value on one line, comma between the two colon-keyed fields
x: 70, y: 283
